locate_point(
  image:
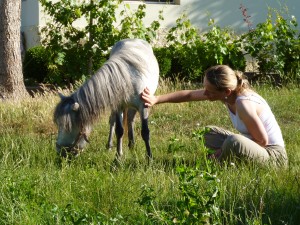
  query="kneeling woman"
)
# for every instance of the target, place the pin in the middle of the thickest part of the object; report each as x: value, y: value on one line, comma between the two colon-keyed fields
x: 260, y: 137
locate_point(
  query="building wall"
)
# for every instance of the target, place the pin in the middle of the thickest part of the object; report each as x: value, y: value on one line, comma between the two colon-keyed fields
x: 224, y: 12
x: 30, y: 21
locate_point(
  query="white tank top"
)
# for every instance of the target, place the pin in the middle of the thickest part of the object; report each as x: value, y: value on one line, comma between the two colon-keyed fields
x: 267, y: 118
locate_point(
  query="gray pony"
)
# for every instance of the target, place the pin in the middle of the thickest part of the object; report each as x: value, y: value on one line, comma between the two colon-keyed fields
x: 115, y: 86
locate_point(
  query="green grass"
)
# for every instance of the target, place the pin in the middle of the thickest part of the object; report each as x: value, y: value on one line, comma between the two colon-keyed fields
x: 38, y: 188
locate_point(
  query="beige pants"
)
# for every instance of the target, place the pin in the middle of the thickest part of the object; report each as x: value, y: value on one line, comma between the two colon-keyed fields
x: 241, y: 147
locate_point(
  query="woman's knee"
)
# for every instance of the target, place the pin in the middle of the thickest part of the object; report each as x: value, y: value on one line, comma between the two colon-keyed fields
x: 230, y: 142
x: 213, y: 138
x: 232, y: 146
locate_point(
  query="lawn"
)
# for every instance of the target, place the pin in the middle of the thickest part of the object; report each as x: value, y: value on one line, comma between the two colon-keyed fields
x: 179, y: 186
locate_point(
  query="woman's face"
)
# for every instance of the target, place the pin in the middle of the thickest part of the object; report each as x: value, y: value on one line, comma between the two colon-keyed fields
x: 212, y: 93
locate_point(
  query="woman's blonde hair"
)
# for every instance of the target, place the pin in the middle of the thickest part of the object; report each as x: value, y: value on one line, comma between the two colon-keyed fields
x: 223, y: 77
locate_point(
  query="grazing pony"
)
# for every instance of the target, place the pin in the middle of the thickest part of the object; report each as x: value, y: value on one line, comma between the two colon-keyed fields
x: 116, y: 86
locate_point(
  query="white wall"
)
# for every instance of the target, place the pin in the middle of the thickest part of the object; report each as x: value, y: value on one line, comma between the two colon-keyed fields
x: 224, y: 12
x: 30, y: 20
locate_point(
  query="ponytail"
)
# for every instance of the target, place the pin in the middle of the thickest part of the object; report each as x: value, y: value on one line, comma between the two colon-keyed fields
x: 242, y: 82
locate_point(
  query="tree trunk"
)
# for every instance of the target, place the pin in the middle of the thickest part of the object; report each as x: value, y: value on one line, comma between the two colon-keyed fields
x: 11, y: 75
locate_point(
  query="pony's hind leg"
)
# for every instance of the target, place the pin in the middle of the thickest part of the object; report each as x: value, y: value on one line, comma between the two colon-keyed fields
x: 119, y: 132
x: 145, y: 130
x: 131, y: 112
x: 112, y: 127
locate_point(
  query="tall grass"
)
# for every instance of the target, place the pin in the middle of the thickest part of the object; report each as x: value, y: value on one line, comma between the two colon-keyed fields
x: 37, y: 187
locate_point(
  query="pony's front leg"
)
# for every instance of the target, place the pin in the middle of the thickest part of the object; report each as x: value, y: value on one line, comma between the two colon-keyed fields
x: 112, y: 127
x: 145, y: 130
x: 119, y: 132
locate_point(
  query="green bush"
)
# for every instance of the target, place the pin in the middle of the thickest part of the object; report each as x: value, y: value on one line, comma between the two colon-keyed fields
x: 184, y: 43
x: 275, y: 44
x: 188, y: 61
x: 223, y: 46
x: 192, y: 52
x: 163, y: 56
x: 35, y: 65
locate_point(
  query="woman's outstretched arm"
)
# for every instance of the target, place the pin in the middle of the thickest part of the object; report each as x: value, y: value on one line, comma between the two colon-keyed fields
x: 173, y: 97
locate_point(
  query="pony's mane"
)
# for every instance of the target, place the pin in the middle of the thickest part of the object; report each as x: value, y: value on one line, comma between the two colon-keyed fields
x: 109, y: 88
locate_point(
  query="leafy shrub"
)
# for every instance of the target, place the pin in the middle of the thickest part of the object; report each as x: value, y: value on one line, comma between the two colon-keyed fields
x: 222, y: 46
x: 35, y: 65
x: 191, y: 60
x: 275, y: 44
x: 192, y: 52
x: 132, y: 25
x: 163, y: 56
x: 183, y: 40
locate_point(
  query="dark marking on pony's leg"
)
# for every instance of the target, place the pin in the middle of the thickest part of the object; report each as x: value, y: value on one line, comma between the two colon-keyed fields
x: 146, y: 137
x: 119, y: 132
x: 112, y: 127
x: 146, y: 132
x: 130, y: 123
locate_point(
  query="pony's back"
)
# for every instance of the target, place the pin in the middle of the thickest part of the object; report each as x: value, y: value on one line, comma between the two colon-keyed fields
x: 139, y: 54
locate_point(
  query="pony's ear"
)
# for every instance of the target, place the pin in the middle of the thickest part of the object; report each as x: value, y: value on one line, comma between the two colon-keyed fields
x: 75, y: 106
x: 61, y: 96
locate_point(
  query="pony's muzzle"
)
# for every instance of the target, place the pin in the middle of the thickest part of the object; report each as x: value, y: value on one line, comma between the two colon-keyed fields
x: 67, y: 151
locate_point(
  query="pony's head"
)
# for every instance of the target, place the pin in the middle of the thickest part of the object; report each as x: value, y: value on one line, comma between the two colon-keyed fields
x: 72, y: 133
